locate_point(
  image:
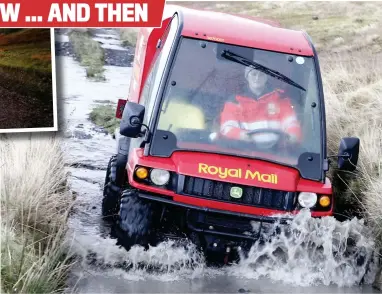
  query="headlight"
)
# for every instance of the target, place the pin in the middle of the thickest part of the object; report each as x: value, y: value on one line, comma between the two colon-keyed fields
x: 307, y: 199
x: 324, y: 201
x: 159, y: 177
x: 141, y: 173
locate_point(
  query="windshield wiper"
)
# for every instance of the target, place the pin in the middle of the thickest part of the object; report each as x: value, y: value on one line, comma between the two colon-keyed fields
x: 242, y: 60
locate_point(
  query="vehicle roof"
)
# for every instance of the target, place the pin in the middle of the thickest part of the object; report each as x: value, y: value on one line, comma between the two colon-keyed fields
x: 241, y: 30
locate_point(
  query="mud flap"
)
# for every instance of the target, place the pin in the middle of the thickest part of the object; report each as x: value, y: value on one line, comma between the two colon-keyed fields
x: 111, y: 191
x: 121, y: 159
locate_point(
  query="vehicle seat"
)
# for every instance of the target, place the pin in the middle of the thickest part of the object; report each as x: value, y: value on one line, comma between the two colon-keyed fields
x: 179, y: 114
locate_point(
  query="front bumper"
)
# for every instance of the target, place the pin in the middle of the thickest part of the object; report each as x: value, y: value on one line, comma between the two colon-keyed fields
x: 224, y: 224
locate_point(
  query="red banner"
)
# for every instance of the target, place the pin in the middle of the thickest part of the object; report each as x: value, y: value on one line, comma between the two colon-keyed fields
x: 86, y: 13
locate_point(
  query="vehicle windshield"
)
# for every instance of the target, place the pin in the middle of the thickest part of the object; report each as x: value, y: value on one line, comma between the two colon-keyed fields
x: 214, y: 102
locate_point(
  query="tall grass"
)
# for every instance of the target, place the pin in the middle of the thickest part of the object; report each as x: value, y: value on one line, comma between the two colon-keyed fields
x: 353, y: 88
x: 35, y: 202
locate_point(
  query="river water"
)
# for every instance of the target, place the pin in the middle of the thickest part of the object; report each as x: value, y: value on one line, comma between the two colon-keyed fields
x: 305, y: 264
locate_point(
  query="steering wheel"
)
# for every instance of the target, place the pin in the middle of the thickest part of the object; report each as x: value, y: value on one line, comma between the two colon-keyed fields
x: 284, y: 136
x: 273, y: 131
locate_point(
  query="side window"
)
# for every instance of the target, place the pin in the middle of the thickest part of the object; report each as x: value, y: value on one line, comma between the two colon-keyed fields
x: 153, y: 79
x: 147, y: 87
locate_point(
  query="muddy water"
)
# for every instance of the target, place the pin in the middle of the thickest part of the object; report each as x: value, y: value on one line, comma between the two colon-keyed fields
x: 299, y: 263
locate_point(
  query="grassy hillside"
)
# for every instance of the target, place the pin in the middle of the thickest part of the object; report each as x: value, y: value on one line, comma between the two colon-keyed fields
x: 28, y: 49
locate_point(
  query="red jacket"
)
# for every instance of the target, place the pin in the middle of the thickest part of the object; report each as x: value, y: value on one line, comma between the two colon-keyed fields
x: 271, y: 111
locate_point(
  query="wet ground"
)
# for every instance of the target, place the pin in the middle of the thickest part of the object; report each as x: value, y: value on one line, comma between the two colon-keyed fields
x: 105, y: 267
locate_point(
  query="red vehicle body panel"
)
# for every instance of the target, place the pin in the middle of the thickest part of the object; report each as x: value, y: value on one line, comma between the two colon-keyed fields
x: 242, y: 31
x: 187, y: 163
x: 230, y: 29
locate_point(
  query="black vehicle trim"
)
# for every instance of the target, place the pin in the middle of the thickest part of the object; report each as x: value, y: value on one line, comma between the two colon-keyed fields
x: 288, y: 206
x: 225, y: 234
x: 322, y: 105
x: 206, y: 209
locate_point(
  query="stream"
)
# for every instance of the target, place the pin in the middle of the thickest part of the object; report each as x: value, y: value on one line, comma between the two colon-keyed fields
x: 106, y: 267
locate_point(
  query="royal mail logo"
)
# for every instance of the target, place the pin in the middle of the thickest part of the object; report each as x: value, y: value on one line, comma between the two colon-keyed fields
x: 236, y: 192
x: 223, y: 173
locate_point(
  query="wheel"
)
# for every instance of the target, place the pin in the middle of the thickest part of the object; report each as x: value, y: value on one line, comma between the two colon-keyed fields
x: 111, y: 191
x: 136, y: 220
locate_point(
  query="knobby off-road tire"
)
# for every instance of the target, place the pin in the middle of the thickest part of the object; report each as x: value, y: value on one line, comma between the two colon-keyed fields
x: 111, y: 191
x: 136, y: 217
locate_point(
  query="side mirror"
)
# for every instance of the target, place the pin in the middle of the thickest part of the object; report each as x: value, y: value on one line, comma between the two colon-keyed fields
x: 132, y: 120
x: 348, y: 153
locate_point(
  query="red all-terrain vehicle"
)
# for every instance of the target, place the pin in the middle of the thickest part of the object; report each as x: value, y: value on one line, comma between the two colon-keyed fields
x: 224, y: 128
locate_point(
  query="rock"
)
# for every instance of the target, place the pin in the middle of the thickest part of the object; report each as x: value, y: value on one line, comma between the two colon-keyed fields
x: 81, y: 135
x: 100, y: 130
x: 104, y: 101
x: 315, y: 17
x: 64, y: 49
x: 119, y: 57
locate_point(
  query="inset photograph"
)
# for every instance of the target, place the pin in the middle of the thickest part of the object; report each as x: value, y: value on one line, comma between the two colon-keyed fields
x: 27, y: 80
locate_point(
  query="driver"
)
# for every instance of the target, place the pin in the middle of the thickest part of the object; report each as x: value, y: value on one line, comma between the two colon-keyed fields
x: 260, y: 108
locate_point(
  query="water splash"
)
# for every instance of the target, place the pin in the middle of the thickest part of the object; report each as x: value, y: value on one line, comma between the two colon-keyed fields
x: 309, y: 252
x: 168, y: 261
x: 312, y: 251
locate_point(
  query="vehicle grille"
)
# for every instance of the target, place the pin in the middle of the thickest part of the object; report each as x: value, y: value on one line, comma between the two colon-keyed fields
x: 253, y: 196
